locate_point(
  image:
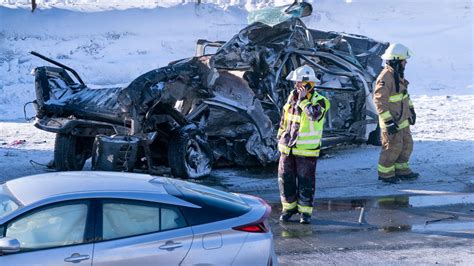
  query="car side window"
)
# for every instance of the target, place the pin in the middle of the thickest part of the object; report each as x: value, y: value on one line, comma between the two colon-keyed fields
x: 126, y: 218
x: 171, y: 218
x: 54, y: 226
x: 123, y: 219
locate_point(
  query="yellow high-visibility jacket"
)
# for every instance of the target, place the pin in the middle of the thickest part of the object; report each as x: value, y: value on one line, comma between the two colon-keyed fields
x: 301, y: 126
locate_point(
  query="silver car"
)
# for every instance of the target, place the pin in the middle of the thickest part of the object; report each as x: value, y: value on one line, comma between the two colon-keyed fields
x: 102, y: 218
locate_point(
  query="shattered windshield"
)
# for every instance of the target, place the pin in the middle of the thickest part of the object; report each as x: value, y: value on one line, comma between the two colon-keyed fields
x: 275, y: 15
x: 7, y: 205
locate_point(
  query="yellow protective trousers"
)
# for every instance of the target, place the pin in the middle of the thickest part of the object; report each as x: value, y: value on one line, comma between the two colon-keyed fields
x: 396, y: 151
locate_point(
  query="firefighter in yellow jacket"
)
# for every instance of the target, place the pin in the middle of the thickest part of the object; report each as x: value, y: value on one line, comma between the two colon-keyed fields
x: 299, y: 141
x: 396, y: 114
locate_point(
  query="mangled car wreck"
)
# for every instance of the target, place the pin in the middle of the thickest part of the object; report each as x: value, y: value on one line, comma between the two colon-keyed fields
x: 220, y: 108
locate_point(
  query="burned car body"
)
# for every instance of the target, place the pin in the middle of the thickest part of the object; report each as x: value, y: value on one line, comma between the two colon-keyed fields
x: 212, y: 108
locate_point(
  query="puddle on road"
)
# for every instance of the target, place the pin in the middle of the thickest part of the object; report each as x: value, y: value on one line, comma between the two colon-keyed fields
x: 431, y: 208
x: 296, y: 233
x: 396, y: 202
x: 463, y: 229
x: 396, y: 228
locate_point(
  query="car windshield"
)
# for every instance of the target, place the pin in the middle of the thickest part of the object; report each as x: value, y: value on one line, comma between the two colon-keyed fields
x: 7, y: 203
x: 274, y: 15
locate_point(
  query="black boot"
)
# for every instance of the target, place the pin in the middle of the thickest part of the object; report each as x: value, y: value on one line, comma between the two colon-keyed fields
x: 305, y: 218
x: 286, y: 215
x: 409, y: 177
x: 390, y: 180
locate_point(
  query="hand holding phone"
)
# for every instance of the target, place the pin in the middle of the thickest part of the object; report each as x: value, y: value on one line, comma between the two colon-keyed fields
x: 302, y: 91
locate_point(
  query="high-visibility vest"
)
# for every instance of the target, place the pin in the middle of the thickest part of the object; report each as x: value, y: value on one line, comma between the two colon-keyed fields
x: 310, y: 132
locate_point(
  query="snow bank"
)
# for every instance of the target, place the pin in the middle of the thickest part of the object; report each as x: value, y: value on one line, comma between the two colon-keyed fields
x: 439, y: 32
x: 114, y: 46
x: 100, y: 5
x: 110, y: 47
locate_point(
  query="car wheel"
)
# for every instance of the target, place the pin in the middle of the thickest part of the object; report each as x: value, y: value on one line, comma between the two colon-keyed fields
x: 189, y: 153
x: 375, y: 137
x: 71, y: 152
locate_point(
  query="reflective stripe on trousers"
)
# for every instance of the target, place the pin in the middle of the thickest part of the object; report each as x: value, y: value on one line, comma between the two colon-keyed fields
x: 386, y: 170
x: 402, y: 166
x: 305, y: 209
x: 288, y: 206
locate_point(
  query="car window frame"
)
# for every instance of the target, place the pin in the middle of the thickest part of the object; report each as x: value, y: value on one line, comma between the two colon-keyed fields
x: 99, y: 218
x: 88, y: 232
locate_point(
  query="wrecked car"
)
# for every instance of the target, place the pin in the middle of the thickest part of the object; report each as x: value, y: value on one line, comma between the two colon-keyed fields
x: 214, y: 108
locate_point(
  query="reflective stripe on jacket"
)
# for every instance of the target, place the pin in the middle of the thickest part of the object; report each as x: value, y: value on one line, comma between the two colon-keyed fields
x: 307, y: 117
x: 390, y: 103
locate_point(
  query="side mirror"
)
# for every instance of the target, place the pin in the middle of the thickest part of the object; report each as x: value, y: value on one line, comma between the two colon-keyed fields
x: 9, y: 245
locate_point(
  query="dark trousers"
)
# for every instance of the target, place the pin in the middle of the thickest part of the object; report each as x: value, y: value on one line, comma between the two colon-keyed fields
x: 297, y: 182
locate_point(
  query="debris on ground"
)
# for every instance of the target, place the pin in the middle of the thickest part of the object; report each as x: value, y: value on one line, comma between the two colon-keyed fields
x: 17, y: 142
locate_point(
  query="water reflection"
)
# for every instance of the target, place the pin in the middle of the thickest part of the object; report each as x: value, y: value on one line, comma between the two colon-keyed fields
x: 294, y: 233
x: 416, y: 214
x: 395, y: 202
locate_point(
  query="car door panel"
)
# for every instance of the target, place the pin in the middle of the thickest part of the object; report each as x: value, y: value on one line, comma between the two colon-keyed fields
x: 53, y: 256
x: 161, y: 248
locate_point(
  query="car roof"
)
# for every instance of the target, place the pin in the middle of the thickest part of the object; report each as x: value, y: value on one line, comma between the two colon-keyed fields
x: 36, y: 188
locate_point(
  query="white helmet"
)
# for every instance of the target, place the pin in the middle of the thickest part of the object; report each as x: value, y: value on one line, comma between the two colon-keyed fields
x: 302, y: 73
x: 397, y: 51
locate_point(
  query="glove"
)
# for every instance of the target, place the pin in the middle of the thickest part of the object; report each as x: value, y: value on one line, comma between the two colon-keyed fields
x: 392, y: 127
x: 412, y: 120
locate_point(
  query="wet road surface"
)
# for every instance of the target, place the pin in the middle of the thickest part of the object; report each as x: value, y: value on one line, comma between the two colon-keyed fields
x: 414, y: 226
x: 393, y: 230
x: 428, y: 221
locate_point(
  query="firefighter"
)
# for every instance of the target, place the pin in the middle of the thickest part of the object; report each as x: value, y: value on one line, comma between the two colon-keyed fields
x: 396, y: 114
x: 299, y: 141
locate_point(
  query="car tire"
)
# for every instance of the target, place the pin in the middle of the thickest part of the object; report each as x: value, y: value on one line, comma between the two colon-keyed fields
x: 375, y: 137
x: 189, y: 154
x: 71, y: 152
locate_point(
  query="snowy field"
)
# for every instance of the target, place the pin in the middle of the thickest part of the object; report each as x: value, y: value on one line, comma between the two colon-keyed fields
x: 112, y: 42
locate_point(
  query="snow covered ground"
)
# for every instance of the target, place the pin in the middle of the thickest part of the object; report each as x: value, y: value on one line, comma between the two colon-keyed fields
x: 112, y: 44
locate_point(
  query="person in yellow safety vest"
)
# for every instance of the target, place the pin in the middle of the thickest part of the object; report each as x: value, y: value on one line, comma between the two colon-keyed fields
x: 396, y: 114
x: 299, y: 141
